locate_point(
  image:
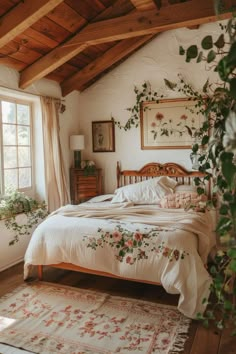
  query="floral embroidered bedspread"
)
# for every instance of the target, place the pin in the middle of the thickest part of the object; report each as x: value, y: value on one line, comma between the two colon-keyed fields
x: 137, y: 242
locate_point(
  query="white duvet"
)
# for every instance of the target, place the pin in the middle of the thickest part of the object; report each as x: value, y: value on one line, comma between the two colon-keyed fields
x: 143, y: 242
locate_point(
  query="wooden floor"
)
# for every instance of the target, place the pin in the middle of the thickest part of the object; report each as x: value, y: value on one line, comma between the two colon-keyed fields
x: 201, y: 340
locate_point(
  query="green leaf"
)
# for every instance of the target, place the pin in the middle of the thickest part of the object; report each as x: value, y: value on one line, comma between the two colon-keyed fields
x: 224, y: 209
x: 231, y: 58
x: 232, y: 252
x: 211, y: 56
x: 200, y: 190
x: 228, y: 305
x: 228, y: 168
x: 192, y: 52
x: 224, y: 224
x: 207, y: 42
x: 227, y: 196
x: 205, y: 139
x: 199, y: 58
x: 233, y: 87
x: 220, y: 42
x: 195, y: 148
x: 181, y: 50
x: 205, y: 87
x: 223, y: 69
x: 170, y: 85
x: 232, y: 265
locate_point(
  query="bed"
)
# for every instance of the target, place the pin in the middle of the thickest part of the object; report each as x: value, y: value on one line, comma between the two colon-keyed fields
x: 142, y: 232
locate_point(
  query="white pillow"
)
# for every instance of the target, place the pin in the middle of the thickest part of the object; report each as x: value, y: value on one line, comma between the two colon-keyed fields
x: 101, y: 198
x: 145, y: 192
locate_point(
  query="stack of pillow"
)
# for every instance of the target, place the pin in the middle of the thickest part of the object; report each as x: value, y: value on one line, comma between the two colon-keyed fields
x: 184, y: 196
x: 163, y: 191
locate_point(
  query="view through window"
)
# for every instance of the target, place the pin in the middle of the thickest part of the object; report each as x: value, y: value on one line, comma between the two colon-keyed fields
x: 16, y: 145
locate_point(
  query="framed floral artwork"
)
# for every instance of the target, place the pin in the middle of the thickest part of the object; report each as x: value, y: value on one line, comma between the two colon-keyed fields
x: 103, y: 134
x: 169, y: 124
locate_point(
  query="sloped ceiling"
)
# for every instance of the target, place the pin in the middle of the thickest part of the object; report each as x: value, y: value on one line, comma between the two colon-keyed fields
x: 76, y: 42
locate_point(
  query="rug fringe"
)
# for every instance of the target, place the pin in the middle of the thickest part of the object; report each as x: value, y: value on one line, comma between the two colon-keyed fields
x: 182, y: 336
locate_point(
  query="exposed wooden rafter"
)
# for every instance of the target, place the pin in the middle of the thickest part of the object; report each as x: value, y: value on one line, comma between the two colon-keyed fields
x: 23, y: 16
x: 112, y: 56
x: 144, y: 4
x: 132, y: 25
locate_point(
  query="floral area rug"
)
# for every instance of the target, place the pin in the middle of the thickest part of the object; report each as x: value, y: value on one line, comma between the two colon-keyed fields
x: 46, y: 318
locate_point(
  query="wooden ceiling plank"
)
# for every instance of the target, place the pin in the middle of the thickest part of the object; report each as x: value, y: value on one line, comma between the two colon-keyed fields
x: 144, y: 4
x: 132, y: 25
x: 23, y: 16
x: 67, y: 18
x: 146, y: 22
x: 41, y: 37
x: 102, y: 63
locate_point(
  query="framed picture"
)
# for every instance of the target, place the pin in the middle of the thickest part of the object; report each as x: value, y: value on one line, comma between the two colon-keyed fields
x: 103, y: 133
x: 169, y: 124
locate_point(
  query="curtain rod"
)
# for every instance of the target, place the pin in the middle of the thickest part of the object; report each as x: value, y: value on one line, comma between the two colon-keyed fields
x: 30, y: 93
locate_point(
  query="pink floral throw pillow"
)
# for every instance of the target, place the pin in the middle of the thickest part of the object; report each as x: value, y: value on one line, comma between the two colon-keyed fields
x: 184, y: 200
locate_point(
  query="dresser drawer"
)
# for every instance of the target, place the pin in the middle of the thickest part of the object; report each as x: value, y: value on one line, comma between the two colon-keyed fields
x: 83, y: 187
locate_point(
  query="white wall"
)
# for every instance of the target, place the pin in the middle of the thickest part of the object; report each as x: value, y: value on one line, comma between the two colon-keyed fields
x: 112, y: 94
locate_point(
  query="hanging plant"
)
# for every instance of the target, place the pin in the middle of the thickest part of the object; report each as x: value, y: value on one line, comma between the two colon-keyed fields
x: 219, y: 105
x: 15, y: 203
x: 142, y: 95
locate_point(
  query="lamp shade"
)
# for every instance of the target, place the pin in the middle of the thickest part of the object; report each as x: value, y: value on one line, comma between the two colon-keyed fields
x: 76, y: 142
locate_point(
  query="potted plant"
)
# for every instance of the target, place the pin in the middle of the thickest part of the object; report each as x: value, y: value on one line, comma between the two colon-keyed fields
x: 15, y: 203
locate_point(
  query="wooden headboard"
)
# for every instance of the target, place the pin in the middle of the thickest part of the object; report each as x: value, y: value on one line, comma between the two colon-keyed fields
x: 155, y: 169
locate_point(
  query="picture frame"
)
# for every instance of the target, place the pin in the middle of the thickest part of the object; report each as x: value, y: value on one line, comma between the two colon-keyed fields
x: 168, y: 124
x: 103, y: 136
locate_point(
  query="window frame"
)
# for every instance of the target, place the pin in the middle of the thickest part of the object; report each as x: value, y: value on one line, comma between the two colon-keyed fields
x: 7, y: 98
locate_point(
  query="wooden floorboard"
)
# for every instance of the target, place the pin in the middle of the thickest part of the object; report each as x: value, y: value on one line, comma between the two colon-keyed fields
x: 200, y: 341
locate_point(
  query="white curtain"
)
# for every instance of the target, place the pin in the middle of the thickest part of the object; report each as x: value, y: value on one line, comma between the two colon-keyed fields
x: 56, y: 188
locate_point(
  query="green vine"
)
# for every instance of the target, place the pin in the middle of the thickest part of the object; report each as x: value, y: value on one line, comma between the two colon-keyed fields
x: 218, y: 104
x: 15, y: 203
x: 142, y: 95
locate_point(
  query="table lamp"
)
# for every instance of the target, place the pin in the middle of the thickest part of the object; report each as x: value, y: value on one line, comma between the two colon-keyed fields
x: 77, y: 144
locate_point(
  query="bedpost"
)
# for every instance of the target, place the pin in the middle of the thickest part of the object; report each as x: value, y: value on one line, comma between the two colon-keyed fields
x: 118, y: 174
x: 40, y: 272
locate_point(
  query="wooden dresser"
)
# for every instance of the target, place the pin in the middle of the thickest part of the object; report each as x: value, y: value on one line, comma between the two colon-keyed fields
x: 83, y: 186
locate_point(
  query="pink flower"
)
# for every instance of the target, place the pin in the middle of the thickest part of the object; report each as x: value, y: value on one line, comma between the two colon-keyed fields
x: 159, y: 116
x: 129, y: 260
x: 184, y: 117
x: 138, y: 236
x: 117, y: 236
x: 153, y: 125
x: 166, y: 252
x: 129, y: 243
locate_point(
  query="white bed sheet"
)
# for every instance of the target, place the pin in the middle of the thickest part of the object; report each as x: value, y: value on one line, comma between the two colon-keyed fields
x: 173, y: 250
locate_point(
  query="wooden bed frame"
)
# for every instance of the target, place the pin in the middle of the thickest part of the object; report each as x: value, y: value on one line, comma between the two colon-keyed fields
x: 125, y: 177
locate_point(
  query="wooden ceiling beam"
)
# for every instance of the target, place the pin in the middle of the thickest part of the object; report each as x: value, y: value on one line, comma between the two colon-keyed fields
x: 23, y: 16
x: 132, y: 25
x: 110, y: 57
x: 144, y: 4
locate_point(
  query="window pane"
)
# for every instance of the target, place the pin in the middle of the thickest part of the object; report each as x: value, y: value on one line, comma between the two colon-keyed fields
x: 23, y: 114
x: 23, y: 135
x: 24, y: 156
x: 10, y: 157
x: 8, y: 112
x: 9, y: 134
x: 24, y: 177
x: 10, y: 178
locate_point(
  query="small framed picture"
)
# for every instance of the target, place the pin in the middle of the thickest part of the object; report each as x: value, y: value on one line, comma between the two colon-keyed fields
x: 103, y: 134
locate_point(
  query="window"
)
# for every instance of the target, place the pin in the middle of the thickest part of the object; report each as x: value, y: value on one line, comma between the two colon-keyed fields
x: 16, y: 144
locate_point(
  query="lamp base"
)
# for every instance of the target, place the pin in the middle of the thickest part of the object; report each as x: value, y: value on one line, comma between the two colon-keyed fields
x: 77, y: 159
